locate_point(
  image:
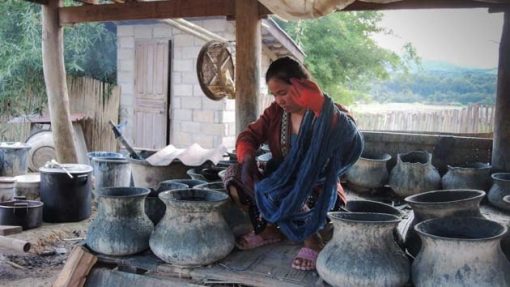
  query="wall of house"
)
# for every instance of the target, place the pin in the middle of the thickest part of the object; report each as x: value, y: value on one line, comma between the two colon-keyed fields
x: 194, y: 117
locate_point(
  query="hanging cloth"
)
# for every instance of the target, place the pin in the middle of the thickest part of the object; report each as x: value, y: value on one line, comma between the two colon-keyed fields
x: 325, y: 149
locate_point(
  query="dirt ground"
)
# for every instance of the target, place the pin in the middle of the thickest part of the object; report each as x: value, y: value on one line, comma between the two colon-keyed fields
x: 51, y: 245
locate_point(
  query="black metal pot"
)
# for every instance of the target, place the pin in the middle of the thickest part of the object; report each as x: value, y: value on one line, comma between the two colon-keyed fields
x: 66, y: 192
x: 20, y: 212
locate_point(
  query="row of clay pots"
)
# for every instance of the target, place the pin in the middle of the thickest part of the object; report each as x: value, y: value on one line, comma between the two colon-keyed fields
x: 192, y: 231
x: 457, y: 249
x: 414, y: 173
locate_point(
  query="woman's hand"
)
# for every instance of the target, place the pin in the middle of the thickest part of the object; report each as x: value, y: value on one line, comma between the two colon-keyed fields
x: 307, y: 94
x: 249, y: 172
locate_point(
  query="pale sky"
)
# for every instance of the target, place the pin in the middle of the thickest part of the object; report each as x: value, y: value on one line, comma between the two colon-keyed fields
x: 464, y: 37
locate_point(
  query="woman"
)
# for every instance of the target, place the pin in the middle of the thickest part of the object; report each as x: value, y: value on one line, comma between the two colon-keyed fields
x: 312, y: 142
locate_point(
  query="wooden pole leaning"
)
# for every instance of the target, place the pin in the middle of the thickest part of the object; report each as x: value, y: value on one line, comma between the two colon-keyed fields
x: 55, y: 80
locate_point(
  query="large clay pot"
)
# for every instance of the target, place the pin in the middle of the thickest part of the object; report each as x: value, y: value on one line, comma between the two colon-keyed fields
x: 121, y: 226
x: 147, y: 175
x: 363, y: 252
x: 471, y: 176
x: 460, y: 251
x: 500, y: 189
x: 414, y: 173
x: 440, y: 204
x: 369, y: 172
x: 237, y: 220
x: 193, y: 231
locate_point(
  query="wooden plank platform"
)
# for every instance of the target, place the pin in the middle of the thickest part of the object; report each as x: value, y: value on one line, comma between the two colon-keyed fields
x: 265, y: 266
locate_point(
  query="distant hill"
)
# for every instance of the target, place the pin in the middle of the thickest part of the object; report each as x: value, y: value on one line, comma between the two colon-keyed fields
x: 438, y: 83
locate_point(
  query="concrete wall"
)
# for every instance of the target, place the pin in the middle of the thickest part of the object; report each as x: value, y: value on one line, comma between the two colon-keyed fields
x: 194, y: 117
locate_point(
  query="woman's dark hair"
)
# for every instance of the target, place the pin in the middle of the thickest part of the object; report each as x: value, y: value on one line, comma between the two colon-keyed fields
x: 286, y: 68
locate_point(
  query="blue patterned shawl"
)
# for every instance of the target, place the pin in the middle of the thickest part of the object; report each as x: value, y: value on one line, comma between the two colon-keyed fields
x: 323, y: 152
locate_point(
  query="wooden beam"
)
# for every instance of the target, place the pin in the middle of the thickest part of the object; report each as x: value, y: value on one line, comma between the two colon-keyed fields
x: 423, y: 4
x: 248, y: 50
x: 42, y: 2
x: 78, y: 266
x: 146, y: 10
x: 88, y: 2
x: 56, y: 85
x: 501, y: 142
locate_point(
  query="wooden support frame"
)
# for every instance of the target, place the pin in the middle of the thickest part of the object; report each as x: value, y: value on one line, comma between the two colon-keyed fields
x: 501, y: 142
x: 133, y: 10
x: 248, y: 59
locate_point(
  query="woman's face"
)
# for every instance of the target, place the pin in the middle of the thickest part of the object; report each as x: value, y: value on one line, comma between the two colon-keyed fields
x: 280, y: 91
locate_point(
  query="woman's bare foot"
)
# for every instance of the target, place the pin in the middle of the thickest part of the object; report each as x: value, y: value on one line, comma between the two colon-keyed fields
x: 307, y: 256
x: 269, y: 235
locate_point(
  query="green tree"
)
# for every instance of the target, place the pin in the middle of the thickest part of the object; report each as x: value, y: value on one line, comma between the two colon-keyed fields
x: 89, y: 50
x: 342, y: 56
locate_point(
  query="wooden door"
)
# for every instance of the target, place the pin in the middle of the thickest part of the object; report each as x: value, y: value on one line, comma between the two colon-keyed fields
x: 151, y: 94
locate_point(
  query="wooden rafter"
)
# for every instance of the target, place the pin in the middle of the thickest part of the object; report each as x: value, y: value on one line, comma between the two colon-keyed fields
x: 149, y: 10
x: 426, y: 4
x: 42, y: 2
x: 88, y: 2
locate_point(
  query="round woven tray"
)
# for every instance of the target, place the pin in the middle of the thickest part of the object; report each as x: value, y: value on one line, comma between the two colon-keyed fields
x: 215, y: 71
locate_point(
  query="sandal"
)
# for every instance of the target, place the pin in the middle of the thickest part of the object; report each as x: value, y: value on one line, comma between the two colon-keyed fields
x: 305, y: 254
x: 252, y: 240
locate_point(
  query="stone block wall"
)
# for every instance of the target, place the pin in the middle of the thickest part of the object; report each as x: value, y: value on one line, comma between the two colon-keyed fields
x: 194, y: 118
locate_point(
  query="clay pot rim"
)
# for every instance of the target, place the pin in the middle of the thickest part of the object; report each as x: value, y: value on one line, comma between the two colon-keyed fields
x: 484, y: 166
x: 333, y: 215
x: 397, y: 213
x: 168, y: 195
x: 110, y: 159
x: 183, y: 181
x: 506, y: 199
x: 501, y: 176
x: 427, y: 154
x: 381, y: 157
x: 143, y: 191
x: 412, y: 198
x: 500, y: 234
x: 159, y: 190
x: 204, y: 185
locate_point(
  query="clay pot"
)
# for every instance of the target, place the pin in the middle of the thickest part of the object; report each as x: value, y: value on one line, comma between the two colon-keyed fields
x: 369, y: 172
x: 189, y: 182
x: 500, y: 189
x: 193, y: 231
x: 121, y: 226
x: 440, y: 204
x: 460, y: 251
x: 470, y: 176
x: 237, y: 220
x: 363, y: 252
x: 414, y: 173
x: 372, y: 207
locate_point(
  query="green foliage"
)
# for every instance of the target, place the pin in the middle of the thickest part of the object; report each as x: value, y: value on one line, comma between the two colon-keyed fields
x: 342, y: 56
x: 89, y: 50
x: 437, y: 84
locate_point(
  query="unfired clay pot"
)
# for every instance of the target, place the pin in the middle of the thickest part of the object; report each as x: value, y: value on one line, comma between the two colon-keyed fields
x: 460, y: 252
x: 193, y: 231
x: 414, y: 173
x: 121, y: 226
x: 440, y: 204
x: 469, y: 176
x: 363, y: 252
x: 369, y: 172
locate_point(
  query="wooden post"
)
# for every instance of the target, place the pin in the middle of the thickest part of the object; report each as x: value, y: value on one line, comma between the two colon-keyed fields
x: 248, y: 49
x: 55, y: 80
x: 501, y: 143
